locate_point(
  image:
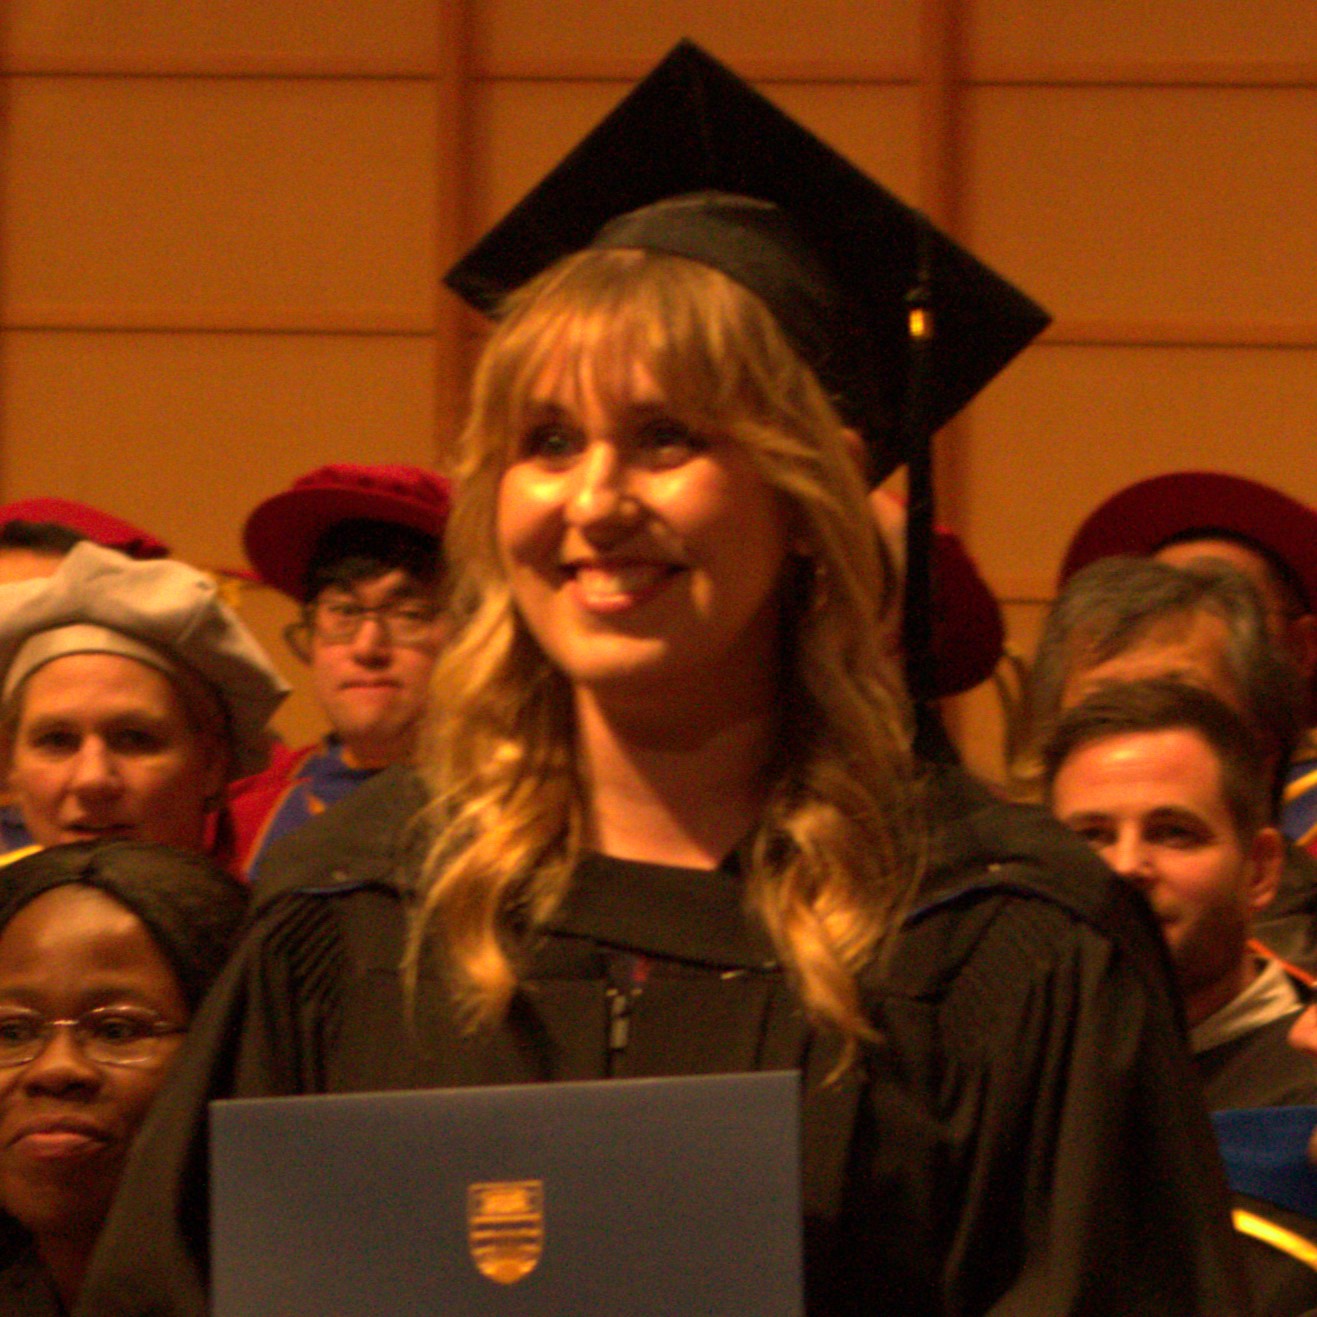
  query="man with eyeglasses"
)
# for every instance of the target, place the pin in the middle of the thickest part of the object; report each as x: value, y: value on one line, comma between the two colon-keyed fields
x: 358, y: 547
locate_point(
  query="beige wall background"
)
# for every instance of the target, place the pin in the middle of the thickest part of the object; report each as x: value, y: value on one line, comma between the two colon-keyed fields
x: 223, y: 227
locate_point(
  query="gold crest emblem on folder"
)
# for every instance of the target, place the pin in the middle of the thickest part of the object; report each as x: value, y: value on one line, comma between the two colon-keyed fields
x: 505, y: 1228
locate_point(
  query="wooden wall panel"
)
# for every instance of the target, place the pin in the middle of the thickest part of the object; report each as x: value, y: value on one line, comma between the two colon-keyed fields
x: 1114, y: 32
x: 522, y: 129
x: 365, y: 36
x: 1190, y: 209
x: 526, y: 34
x: 220, y: 203
x: 1066, y: 427
x: 156, y: 177
x: 877, y: 127
x: 187, y: 432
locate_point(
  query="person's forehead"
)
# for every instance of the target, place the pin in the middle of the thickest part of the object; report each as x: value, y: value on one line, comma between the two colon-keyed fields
x: 78, y: 937
x: 1152, y: 769
x: 21, y: 564
x: 395, y: 583
x: 1193, y: 650
x: 76, y: 681
x: 74, y: 920
x: 1250, y: 562
x: 598, y: 376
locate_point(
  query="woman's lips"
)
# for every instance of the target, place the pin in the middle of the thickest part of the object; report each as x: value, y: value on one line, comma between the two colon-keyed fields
x: 614, y: 586
x: 57, y: 1138
x: 97, y: 831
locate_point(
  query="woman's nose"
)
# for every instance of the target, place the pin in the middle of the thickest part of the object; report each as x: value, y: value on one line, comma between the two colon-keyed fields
x: 94, y: 768
x: 61, y: 1066
x: 601, y: 490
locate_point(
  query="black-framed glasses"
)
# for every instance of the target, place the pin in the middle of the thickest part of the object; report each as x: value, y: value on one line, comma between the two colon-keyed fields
x: 339, y: 621
x: 108, y: 1035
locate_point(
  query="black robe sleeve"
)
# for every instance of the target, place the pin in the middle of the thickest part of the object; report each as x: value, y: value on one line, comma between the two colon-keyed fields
x: 26, y: 1290
x: 261, y: 1031
x: 1032, y: 1142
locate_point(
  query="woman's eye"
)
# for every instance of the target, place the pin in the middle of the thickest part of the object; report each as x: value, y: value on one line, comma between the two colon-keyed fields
x: 15, y: 1030
x: 119, y: 1027
x: 550, y: 442
x: 668, y: 442
x: 54, y: 741
x: 135, y: 741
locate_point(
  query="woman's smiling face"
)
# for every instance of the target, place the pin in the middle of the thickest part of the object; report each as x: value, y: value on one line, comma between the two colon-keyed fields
x: 645, y: 557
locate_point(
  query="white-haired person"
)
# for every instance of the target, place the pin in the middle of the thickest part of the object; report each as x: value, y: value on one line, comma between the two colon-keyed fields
x: 670, y: 823
x: 132, y: 695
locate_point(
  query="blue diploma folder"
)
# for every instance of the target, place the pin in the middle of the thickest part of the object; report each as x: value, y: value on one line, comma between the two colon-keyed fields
x: 635, y: 1197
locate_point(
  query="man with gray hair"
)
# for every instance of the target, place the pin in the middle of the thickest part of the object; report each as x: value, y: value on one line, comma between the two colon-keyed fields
x: 1127, y: 619
x: 1181, y: 517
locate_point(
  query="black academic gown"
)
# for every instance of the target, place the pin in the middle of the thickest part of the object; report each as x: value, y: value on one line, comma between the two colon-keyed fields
x: 1261, y: 1069
x: 1258, y: 1069
x: 1025, y: 1138
x: 25, y: 1289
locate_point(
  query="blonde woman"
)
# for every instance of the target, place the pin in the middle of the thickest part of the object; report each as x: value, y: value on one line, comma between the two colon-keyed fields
x: 669, y: 824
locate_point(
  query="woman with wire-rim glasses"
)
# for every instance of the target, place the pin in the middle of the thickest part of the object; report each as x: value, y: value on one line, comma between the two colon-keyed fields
x: 105, y: 952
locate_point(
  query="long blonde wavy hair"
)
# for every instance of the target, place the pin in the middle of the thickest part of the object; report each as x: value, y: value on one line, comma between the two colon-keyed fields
x: 840, y: 843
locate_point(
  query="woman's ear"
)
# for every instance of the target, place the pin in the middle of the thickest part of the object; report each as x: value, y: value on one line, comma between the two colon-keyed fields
x: 851, y: 437
x: 889, y: 515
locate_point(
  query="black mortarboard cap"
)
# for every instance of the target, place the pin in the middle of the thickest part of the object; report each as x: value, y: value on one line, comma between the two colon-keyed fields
x: 696, y: 163
x: 835, y: 255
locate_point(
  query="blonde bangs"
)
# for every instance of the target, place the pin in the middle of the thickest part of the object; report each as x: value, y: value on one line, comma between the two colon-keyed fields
x: 599, y: 315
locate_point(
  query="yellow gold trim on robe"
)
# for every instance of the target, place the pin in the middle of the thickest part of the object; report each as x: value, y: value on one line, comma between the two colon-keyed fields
x: 1304, y: 1250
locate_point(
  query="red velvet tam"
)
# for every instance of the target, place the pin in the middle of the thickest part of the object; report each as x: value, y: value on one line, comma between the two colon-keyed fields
x: 282, y: 533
